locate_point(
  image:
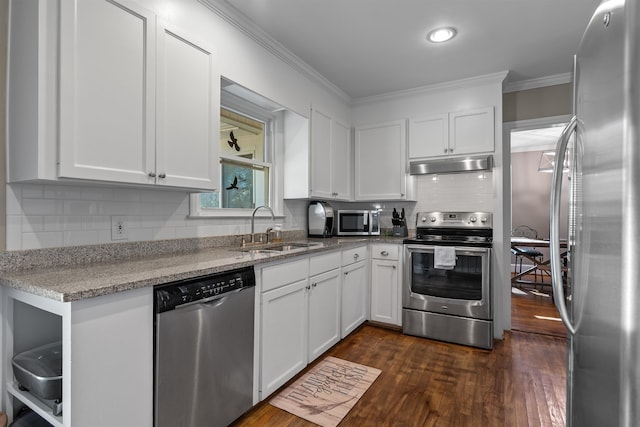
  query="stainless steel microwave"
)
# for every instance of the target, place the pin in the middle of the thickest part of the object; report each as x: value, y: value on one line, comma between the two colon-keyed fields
x: 358, y: 223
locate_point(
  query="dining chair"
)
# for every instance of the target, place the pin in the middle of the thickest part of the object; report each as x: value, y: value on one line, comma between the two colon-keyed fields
x: 526, y: 231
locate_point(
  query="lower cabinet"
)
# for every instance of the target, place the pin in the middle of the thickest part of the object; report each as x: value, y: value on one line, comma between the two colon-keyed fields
x: 107, y: 356
x: 300, y: 316
x: 355, y: 295
x: 386, y: 297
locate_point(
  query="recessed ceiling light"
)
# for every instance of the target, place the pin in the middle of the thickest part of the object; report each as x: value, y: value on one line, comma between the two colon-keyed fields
x: 440, y: 35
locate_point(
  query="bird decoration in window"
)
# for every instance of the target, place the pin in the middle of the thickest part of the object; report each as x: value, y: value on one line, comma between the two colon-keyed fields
x: 234, y: 184
x: 233, y: 143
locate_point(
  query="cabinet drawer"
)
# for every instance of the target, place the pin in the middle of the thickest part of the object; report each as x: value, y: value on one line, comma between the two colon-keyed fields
x: 325, y: 262
x: 349, y: 256
x: 385, y: 251
x: 283, y: 274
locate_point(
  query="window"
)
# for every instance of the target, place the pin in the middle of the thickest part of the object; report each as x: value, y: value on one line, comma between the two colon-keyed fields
x: 246, y: 156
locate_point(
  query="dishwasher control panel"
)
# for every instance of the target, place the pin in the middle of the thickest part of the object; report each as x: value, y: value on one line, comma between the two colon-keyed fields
x: 174, y: 294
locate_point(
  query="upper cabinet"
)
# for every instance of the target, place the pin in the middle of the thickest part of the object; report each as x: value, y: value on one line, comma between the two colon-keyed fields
x: 380, y: 161
x: 330, y: 158
x: 451, y: 134
x: 319, y: 166
x: 131, y: 100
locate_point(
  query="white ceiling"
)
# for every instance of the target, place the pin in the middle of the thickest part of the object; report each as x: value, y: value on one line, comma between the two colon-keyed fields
x: 536, y: 139
x: 370, y: 47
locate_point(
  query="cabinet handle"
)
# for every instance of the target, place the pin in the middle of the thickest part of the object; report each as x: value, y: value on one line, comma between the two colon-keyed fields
x: 152, y: 174
x: 162, y: 176
x: 384, y: 253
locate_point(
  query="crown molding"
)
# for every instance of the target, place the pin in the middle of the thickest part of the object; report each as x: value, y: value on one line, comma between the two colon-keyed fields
x: 539, y: 82
x: 439, y: 87
x: 239, y: 21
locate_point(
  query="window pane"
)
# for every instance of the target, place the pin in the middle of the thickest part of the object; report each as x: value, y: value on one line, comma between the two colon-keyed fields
x: 244, y: 186
x: 241, y: 136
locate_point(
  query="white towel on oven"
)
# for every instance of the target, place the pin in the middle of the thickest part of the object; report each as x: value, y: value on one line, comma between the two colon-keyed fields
x: 444, y: 257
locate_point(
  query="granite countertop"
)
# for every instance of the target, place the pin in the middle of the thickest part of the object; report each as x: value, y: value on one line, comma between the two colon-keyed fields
x: 65, y: 280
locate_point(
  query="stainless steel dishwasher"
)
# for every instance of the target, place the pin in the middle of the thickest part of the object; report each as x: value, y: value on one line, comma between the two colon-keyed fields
x: 203, y: 349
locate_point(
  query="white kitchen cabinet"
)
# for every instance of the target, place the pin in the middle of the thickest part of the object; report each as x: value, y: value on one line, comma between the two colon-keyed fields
x: 341, y: 162
x: 107, y: 355
x: 131, y: 100
x: 326, y: 170
x: 324, y: 303
x: 284, y: 335
x: 386, y: 297
x: 355, y: 267
x: 300, y: 316
x: 380, y: 161
x: 451, y: 134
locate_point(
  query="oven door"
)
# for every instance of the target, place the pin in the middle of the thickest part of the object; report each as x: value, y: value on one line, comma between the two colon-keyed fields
x: 464, y: 290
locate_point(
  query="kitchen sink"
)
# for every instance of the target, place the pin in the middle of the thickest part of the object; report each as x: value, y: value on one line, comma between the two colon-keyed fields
x: 280, y: 247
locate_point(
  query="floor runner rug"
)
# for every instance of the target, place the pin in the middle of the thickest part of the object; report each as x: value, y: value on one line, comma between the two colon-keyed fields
x: 327, y: 392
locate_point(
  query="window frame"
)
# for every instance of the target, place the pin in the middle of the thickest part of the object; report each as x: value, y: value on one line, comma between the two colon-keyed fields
x: 246, y: 108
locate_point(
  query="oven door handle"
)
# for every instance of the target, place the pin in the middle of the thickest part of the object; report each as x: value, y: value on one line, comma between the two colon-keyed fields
x: 431, y: 248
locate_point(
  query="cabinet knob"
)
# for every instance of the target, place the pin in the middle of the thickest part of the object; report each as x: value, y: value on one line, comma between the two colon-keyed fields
x: 356, y: 256
x: 384, y: 253
x: 394, y: 267
x: 152, y: 174
x: 307, y: 287
x: 346, y: 273
x: 314, y: 284
x: 446, y: 150
x: 162, y: 176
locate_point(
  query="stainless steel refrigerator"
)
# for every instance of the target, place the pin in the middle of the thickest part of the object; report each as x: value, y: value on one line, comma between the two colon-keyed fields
x: 599, y: 297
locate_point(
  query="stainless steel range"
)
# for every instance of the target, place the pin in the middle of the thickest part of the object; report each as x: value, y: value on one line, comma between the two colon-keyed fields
x: 446, y: 290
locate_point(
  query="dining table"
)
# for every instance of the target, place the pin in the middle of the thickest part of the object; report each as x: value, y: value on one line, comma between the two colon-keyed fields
x: 537, y: 263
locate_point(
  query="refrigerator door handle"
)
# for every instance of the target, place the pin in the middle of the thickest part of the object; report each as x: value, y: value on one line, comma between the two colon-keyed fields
x: 554, y: 218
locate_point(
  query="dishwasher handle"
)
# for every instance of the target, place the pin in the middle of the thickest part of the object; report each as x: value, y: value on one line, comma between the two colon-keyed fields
x: 217, y: 300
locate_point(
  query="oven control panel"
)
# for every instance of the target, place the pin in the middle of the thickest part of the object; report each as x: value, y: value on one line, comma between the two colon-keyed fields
x: 455, y: 219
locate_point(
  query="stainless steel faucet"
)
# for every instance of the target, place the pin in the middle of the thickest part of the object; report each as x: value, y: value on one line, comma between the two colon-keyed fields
x: 253, y: 218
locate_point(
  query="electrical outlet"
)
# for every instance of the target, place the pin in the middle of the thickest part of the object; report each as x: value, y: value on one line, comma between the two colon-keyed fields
x: 119, y: 229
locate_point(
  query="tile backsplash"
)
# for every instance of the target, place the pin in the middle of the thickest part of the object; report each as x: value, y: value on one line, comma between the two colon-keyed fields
x: 465, y: 192
x: 49, y: 215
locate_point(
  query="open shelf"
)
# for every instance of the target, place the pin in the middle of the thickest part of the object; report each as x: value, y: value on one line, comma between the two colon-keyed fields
x: 37, y: 405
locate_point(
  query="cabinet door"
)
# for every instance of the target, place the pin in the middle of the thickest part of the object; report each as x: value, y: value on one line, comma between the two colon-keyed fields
x: 283, y: 336
x: 429, y: 136
x: 324, y: 312
x: 380, y: 163
x: 354, y: 296
x: 471, y: 131
x: 384, y: 291
x: 107, y: 91
x: 321, y: 125
x: 341, y: 169
x: 188, y: 111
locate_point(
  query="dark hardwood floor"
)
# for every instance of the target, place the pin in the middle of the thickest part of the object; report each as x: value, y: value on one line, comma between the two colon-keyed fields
x: 533, y: 309
x: 521, y: 382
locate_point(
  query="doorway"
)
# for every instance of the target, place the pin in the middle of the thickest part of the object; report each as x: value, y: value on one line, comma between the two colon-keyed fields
x: 531, y: 143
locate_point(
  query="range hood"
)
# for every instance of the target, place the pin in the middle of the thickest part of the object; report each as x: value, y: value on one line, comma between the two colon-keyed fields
x: 451, y: 165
